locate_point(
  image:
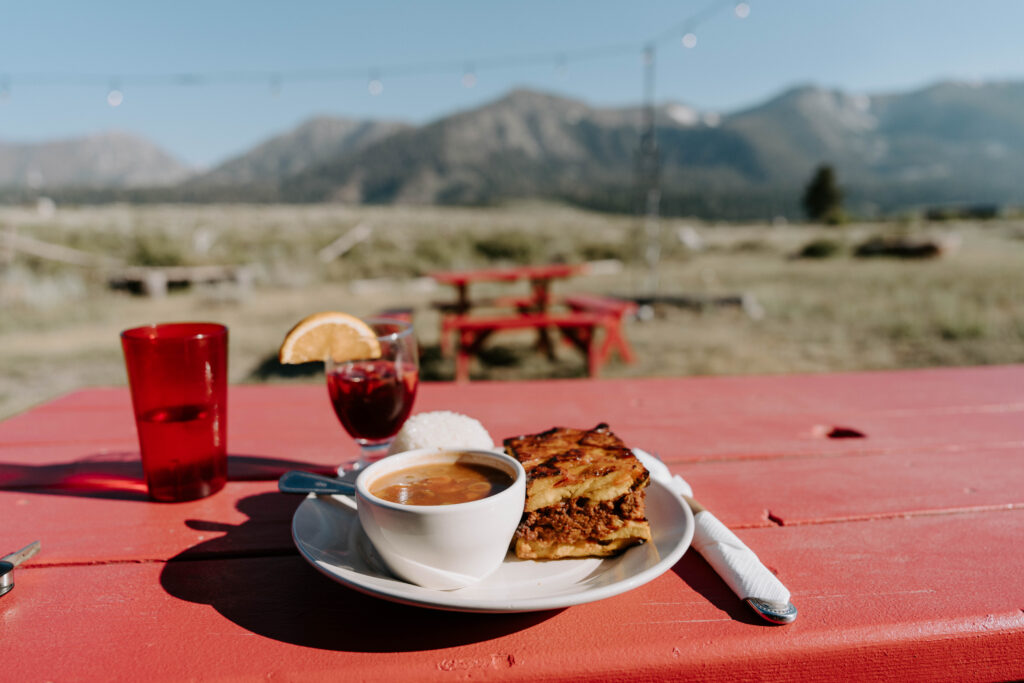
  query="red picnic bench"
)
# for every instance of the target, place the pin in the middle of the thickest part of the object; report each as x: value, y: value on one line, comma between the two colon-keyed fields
x: 579, y: 326
x: 614, y: 312
x: 472, y: 332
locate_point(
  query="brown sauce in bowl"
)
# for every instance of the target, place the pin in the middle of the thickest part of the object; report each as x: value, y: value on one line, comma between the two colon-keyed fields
x: 440, y: 484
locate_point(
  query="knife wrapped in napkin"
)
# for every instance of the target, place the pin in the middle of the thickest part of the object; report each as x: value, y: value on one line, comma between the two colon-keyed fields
x: 584, y: 494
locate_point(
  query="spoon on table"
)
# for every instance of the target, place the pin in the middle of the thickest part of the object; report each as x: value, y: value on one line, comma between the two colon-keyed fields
x: 297, y: 481
x: 9, y: 562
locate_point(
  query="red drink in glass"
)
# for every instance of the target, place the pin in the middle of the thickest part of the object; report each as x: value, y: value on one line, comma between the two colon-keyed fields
x: 373, y: 398
x: 178, y: 378
x: 183, y: 453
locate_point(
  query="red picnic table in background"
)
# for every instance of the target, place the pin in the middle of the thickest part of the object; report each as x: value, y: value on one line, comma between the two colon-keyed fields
x: 891, y: 504
x: 584, y: 318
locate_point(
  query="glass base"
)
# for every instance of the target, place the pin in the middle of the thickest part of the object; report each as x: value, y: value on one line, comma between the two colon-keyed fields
x: 369, y: 454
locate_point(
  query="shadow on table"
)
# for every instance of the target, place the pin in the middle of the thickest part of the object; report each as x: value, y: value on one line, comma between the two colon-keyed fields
x: 118, y: 476
x: 698, y: 575
x: 279, y: 596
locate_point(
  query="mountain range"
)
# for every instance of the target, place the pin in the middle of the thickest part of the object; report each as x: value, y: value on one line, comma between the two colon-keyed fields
x: 113, y: 159
x: 949, y: 143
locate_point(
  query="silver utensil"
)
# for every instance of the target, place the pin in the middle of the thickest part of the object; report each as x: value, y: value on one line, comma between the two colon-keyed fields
x: 9, y: 562
x: 770, y: 611
x: 773, y: 612
x: 297, y: 481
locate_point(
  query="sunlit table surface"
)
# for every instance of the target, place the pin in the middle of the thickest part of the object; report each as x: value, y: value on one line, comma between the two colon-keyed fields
x: 890, y: 504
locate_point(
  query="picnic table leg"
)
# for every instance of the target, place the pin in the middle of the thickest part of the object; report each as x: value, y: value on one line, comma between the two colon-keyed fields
x: 582, y: 337
x: 544, y: 344
x: 462, y: 361
x: 463, y: 357
x: 541, y: 299
x: 541, y: 294
x: 462, y: 299
x: 614, y: 339
x: 447, y: 324
x: 470, y: 342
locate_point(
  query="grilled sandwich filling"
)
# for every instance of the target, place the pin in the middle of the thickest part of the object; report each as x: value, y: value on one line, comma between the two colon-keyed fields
x: 584, y: 494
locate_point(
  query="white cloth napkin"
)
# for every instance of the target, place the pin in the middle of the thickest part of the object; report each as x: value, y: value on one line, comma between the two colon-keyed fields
x: 724, y: 551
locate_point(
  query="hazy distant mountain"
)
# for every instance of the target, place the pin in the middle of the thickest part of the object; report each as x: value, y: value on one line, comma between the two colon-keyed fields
x: 315, y: 141
x: 112, y: 159
x: 959, y: 139
x: 949, y: 142
x: 516, y: 146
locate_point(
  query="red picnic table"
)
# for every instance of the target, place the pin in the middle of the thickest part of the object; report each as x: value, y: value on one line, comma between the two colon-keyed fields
x: 540, y: 278
x: 586, y: 317
x: 891, y: 504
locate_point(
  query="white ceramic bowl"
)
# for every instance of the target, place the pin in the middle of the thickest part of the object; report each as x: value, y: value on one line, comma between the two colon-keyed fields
x: 443, y: 547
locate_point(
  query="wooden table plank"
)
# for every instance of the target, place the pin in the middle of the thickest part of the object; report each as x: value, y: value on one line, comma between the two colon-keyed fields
x: 877, y: 599
x: 791, y: 491
x: 122, y: 525
x: 104, y: 512
x: 711, y: 418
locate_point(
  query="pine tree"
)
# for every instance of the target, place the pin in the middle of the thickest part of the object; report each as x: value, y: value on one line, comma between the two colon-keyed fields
x: 823, y: 200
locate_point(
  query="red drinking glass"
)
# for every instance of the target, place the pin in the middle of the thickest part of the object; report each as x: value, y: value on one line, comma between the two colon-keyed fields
x: 178, y: 378
x: 373, y: 397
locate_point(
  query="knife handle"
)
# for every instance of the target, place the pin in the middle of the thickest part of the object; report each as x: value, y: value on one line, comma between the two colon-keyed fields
x: 695, y: 507
x: 20, y: 556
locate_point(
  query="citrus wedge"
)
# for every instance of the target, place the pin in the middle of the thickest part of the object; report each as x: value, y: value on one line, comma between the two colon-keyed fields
x: 339, y: 336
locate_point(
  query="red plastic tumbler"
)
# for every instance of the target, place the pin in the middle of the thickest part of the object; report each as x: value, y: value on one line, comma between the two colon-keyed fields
x: 178, y: 378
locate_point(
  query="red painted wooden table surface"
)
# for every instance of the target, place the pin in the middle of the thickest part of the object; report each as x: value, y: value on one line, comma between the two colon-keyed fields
x: 903, y: 547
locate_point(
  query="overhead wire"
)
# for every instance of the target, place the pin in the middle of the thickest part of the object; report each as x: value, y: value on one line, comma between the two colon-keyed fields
x: 560, y: 59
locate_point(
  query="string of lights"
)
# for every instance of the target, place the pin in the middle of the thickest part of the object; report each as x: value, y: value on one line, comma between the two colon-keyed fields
x: 374, y: 76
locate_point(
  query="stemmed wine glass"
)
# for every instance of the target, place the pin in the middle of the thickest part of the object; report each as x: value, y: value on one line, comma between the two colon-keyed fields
x: 373, y: 397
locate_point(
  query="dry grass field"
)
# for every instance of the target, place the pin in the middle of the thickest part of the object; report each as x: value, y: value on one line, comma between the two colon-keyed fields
x: 59, y: 323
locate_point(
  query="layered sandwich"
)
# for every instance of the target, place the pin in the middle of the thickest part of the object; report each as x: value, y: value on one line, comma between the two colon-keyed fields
x: 584, y: 494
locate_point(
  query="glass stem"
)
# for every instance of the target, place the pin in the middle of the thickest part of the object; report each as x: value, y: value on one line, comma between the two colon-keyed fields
x: 372, y: 452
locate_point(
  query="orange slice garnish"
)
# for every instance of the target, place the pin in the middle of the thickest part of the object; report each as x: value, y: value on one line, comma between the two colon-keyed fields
x: 329, y: 334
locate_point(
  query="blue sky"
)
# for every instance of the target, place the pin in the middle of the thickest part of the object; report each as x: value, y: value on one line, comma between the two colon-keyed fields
x: 59, y: 60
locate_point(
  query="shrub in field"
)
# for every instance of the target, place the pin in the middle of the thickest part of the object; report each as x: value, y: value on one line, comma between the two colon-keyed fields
x: 156, y: 249
x: 514, y: 246
x: 820, y: 248
x: 960, y: 330
x: 601, y: 251
x: 441, y: 252
x: 381, y: 257
x: 752, y: 246
x: 899, y: 247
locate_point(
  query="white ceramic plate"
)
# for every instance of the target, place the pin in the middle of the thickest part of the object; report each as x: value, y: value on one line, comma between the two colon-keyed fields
x: 326, y: 531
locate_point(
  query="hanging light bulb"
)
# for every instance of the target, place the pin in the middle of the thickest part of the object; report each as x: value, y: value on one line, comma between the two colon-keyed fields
x: 469, y: 77
x: 689, y: 41
x: 114, y: 96
x: 742, y: 10
x: 375, y: 86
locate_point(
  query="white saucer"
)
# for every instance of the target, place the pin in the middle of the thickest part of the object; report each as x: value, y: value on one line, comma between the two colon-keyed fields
x: 326, y: 531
